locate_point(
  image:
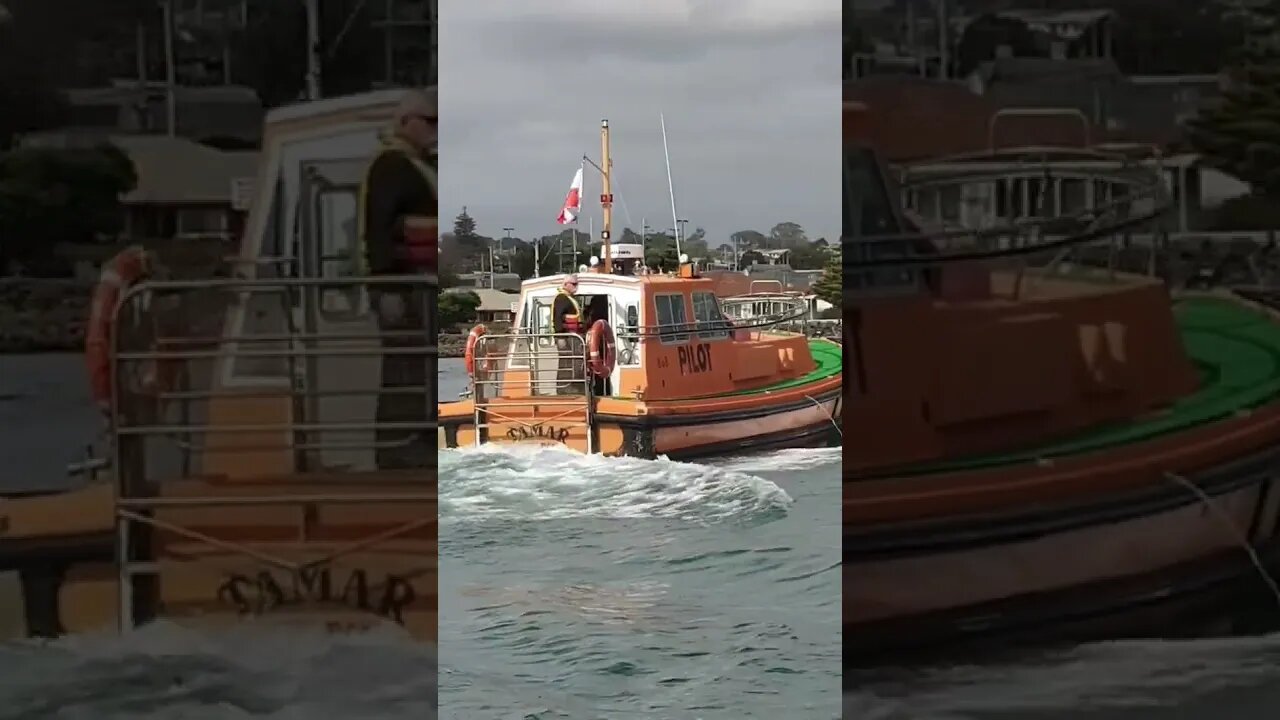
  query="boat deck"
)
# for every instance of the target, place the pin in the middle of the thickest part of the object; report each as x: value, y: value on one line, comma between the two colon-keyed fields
x: 1237, y: 350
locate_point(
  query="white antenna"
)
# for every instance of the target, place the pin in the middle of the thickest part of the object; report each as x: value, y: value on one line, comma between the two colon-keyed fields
x: 670, y: 188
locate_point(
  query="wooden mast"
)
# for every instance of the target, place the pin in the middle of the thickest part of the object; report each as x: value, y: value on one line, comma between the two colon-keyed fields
x: 606, y: 199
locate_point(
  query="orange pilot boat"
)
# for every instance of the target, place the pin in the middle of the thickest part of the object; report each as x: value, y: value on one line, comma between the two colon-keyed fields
x: 660, y: 371
x: 241, y: 482
x: 1045, y: 450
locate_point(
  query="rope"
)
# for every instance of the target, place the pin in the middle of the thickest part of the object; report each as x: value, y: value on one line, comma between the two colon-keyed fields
x: 1236, y: 534
x: 832, y: 417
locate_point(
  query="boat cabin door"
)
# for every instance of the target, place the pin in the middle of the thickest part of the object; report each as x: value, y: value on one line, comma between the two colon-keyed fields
x: 339, y: 388
x: 544, y: 356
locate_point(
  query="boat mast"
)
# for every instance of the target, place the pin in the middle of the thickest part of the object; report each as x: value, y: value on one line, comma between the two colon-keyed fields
x: 606, y: 197
x: 313, y: 49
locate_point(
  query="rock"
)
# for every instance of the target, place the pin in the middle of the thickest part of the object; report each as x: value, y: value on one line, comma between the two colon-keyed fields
x: 451, y: 345
x: 43, y: 315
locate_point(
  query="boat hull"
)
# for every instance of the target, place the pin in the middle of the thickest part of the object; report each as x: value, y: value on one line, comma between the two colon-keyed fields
x: 1219, y: 595
x: 806, y: 421
x: 1161, y: 561
x: 341, y: 567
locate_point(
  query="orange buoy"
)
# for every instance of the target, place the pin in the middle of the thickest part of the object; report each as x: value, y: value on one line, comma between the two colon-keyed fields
x: 118, y: 274
x: 602, y: 350
x: 469, y: 356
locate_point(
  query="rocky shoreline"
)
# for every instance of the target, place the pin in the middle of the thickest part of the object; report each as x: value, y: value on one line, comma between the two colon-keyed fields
x: 451, y: 345
x: 43, y: 315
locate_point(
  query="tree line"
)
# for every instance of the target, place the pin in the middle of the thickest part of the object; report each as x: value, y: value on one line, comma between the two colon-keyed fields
x: 466, y: 249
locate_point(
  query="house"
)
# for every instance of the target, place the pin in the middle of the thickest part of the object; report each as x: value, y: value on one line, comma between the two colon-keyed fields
x: 1084, y: 33
x: 223, y: 111
x: 495, y: 306
x: 509, y: 282
x: 891, y: 44
x: 185, y: 190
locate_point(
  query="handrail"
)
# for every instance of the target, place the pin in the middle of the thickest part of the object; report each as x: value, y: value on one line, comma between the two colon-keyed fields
x: 1035, y: 112
x: 303, y: 351
x: 752, y: 287
x: 797, y: 310
x: 920, y: 261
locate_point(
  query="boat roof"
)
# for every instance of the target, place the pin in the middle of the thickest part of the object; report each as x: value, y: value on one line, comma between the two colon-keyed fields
x: 375, y: 107
x: 590, y: 278
x: 367, y: 113
x: 342, y: 105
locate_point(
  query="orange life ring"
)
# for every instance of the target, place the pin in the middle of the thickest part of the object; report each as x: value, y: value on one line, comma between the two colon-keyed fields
x: 118, y: 274
x: 602, y: 350
x: 469, y: 356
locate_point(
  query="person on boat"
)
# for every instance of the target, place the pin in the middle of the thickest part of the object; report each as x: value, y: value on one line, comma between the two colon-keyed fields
x: 567, y: 319
x: 397, y: 237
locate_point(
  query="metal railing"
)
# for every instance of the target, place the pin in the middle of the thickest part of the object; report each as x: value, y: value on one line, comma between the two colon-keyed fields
x: 1136, y: 199
x: 766, y: 309
x: 189, y: 355
x: 568, y: 393
x: 1030, y: 241
x: 196, y: 340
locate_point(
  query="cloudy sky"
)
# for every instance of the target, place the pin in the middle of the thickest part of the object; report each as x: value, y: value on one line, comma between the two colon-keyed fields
x: 750, y: 90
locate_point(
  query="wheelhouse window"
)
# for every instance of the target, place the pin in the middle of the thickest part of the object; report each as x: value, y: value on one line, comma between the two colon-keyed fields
x: 673, y: 325
x: 708, y: 316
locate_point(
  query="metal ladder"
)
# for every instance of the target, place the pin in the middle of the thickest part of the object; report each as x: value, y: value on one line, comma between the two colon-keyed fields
x: 497, y: 353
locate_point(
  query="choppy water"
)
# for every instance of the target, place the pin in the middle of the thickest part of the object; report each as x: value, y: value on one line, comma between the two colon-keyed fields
x: 163, y: 672
x: 582, y: 587
x: 1222, y: 679
x: 567, y: 600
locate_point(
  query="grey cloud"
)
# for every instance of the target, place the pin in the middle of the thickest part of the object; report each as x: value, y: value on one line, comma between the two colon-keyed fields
x: 752, y: 113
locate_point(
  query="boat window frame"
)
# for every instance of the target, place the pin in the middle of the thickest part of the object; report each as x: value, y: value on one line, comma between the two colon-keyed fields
x: 714, y: 328
x: 629, y: 334
x: 273, y: 238
x: 532, y: 326
x: 667, y: 337
x: 349, y: 263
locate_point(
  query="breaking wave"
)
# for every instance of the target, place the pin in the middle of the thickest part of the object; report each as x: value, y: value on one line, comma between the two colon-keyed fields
x: 541, y: 483
x: 166, y: 672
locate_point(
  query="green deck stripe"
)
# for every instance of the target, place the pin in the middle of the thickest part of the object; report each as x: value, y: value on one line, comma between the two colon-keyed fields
x: 1237, y: 351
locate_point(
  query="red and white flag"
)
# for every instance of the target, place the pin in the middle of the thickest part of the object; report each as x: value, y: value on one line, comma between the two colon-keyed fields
x: 572, y: 201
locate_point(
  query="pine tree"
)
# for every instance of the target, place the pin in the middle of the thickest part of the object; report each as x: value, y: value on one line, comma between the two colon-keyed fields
x: 1241, y: 134
x: 830, y: 286
x: 464, y: 227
